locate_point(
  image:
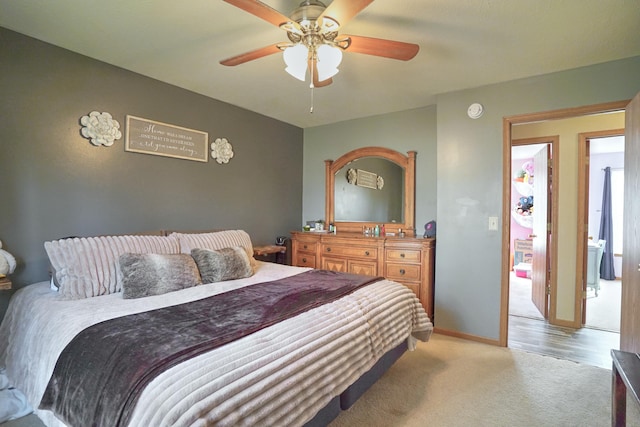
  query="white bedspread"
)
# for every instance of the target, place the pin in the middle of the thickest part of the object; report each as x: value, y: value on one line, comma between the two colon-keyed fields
x: 281, y: 375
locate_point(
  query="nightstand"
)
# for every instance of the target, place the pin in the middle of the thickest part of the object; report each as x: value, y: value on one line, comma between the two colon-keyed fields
x: 265, y: 251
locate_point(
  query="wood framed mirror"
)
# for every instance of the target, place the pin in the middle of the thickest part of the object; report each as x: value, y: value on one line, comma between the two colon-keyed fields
x: 368, y: 186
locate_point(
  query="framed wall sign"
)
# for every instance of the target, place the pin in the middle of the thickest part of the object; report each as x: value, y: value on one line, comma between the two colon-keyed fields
x: 367, y: 179
x: 162, y: 139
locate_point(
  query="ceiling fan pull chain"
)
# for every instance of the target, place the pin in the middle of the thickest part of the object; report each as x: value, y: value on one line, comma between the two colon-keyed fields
x: 311, y: 86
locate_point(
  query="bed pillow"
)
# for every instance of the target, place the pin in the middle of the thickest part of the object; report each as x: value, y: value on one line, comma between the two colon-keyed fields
x: 222, y: 264
x: 216, y: 240
x: 86, y: 266
x: 144, y: 275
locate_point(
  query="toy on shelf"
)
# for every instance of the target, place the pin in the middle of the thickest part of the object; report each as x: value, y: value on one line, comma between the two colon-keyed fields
x: 522, y: 212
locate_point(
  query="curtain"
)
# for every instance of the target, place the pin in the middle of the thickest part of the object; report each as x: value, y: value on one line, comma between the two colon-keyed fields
x: 606, y: 229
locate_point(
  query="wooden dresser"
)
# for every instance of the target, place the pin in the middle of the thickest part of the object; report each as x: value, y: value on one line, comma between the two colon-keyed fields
x: 407, y: 260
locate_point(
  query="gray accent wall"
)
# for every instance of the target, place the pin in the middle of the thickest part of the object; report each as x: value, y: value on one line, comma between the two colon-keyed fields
x: 55, y: 183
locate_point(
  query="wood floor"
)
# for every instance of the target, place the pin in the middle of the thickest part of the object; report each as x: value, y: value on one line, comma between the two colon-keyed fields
x: 585, y: 345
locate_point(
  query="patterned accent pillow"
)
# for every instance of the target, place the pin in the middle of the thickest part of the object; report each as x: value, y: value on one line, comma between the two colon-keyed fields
x: 216, y: 240
x: 222, y: 264
x: 86, y: 267
x: 144, y: 275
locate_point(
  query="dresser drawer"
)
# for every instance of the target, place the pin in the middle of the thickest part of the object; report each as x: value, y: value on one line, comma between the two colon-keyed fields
x: 306, y: 246
x: 349, y: 251
x: 403, y: 255
x: 305, y: 260
x: 403, y: 272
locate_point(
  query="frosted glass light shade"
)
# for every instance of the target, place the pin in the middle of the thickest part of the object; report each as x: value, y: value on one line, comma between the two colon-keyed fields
x: 328, y: 60
x: 296, y: 59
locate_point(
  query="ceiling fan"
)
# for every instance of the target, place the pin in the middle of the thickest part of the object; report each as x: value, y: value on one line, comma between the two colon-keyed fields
x: 314, y: 43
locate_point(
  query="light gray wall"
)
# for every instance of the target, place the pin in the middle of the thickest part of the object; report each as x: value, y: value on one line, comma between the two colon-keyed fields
x: 468, y: 256
x: 403, y: 131
x: 54, y: 183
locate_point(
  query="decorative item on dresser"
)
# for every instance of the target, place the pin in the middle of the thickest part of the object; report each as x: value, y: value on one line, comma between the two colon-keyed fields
x: 407, y: 260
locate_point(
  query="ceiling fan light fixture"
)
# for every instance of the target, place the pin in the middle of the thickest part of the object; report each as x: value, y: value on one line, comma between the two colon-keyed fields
x: 296, y: 59
x: 328, y: 59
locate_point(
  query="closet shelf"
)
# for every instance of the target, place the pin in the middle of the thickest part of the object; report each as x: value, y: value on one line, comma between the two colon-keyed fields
x: 524, y: 188
x: 523, y: 220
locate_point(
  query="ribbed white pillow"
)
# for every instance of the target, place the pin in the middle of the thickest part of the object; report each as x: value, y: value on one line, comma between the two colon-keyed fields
x: 87, y: 266
x: 216, y: 240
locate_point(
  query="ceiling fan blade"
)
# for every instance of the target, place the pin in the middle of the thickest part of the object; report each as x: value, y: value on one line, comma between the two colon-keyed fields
x: 343, y: 10
x: 260, y: 10
x: 250, y: 56
x: 381, y: 47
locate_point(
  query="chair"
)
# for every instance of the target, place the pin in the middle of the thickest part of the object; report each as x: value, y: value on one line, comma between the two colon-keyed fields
x: 594, y: 258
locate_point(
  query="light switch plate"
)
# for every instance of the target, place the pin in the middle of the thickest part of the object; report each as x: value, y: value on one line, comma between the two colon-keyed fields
x: 493, y: 223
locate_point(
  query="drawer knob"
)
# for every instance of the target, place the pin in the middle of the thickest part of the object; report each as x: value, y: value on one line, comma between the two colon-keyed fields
x: 402, y: 271
x: 366, y: 253
x: 305, y: 246
x: 304, y: 260
x: 402, y: 255
x: 328, y: 249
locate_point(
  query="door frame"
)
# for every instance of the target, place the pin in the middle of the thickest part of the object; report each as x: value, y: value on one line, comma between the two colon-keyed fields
x: 583, y: 215
x: 507, y: 123
x: 551, y: 245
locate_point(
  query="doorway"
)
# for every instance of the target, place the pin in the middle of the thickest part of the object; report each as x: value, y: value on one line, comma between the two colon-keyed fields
x: 532, y: 216
x: 601, y: 181
x: 563, y: 315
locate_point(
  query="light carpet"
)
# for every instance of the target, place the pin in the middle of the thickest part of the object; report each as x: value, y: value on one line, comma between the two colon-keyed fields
x: 455, y: 382
x: 603, y: 311
x: 520, y: 303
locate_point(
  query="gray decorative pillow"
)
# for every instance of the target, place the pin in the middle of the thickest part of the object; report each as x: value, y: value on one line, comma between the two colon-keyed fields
x: 222, y: 264
x: 143, y: 275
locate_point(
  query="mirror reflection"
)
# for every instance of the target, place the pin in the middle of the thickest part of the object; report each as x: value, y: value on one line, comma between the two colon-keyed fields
x: 370, y: 189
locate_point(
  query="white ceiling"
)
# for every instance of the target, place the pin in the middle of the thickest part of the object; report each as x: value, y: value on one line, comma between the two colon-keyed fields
x: 463, y: 44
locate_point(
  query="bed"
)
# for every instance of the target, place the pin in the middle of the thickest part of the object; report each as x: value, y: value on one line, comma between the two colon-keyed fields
x: 301, y: 370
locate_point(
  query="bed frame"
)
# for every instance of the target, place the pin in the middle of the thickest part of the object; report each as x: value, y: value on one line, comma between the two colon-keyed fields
x: 348, y: 397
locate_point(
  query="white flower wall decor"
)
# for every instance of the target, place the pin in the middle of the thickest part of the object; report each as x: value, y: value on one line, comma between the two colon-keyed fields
x: 221, y: 150
x: 100, y: 128
x: 352, y: 176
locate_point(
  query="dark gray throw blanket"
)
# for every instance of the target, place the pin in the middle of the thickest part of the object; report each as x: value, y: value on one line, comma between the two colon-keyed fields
x: 99, y: 376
